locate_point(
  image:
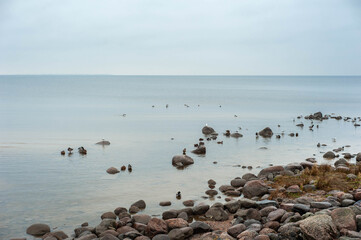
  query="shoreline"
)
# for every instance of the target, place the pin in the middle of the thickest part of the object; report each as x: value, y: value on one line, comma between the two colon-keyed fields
x: 241, y: 218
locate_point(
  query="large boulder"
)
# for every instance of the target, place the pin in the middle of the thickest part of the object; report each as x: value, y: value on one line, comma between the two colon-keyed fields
x: 275, y: 170
x: 319, y: 227
x: 200, y: 209
x: 344, y: 218
x: 200, y: 227
x: 104, y: 225
x: 156, y: 226
x: 267, y: 132
x: 329, y: 155
x: 176, y: 223
x: 182, y: 160
x: 255, y: 188
x: 207, y: 130
x: 217, y: 214
x: 38, y: 229
x: 139, y: 204
x: 141, y: 218
x: 180, y: 233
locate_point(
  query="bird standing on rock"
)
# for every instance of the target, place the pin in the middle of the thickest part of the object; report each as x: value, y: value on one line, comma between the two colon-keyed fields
x: 130, y: 168
x: 70, y: 150
x: 184, y: 151
x: 178, y: 195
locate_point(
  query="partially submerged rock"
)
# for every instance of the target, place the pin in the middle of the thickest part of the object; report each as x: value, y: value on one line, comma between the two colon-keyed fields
x: 266, y: 133
x: 207, y: 130
x: 38, y: 229
x: 104, y: 142
x: 182, y: 160
x: 112, y: 170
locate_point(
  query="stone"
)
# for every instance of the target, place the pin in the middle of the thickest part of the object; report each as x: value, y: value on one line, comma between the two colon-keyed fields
x: 211, y: 182
x: 134, y: 209
x: 207, y: 130
x: 183, y: 215
x: 211, y: 192
x: 200, y: 227
x: 358, y: 157
x: 266, y: 133
x: 321, y: 205
x: 140, y: 227
x: 252, y: 213
x: 347, y: 202
x: 293, y: 189
x: 139, y: 204
x: 180, y: 233
x: 301, y: 208
x: 79, y: 231
x: 232, y: 206
x: 267, y: 203
x: 112, y: 170
x: 247, y: 203
x: 156, y: 226
x: 87, y: 237
x: 293, y: 167
x: 217, y: 214
x: 119, y: 210
x: 329, y: 155
x: 104, y: 142
x: 169, y: 214
x: 344, y: 218
x: 289, y: 231
x: 272, y: 224
x: 176, y: 223
x: 275, y: 170
x: 182, y: 160
x: 165, y: 203
x: 161, y: 237
x: 200, y: 150
x: 38, y: 229
x: 238, y: 182
x: 255, y: 188
x: 309, y: 188
x: 104, y: 225
x: 276, y: 215
x: 188, y: 203
x: 341, y: 161
x: 110, y: 215
x: 247, y: 234
x: 200, y: 209
x: 125, y: 229
x: 141, y: 218
x: 319, y: 227
x: 58, y: 235
x: 235, y: 230
x: 236, y: 135
x: 249, y: 176
x: 225, y: 188
x: 265, y: 211
x: 108, y: 237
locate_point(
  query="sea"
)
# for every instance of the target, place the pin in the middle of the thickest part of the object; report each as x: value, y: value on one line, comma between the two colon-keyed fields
x: 42, y: 115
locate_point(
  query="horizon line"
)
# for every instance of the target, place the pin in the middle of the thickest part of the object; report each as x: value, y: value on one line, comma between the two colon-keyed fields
x: 189, y: 75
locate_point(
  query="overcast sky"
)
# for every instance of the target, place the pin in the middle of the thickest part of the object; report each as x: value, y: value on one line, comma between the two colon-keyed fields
x: 240, y: 37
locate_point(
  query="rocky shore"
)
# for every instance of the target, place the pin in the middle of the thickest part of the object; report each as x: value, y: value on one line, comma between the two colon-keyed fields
x: 281, y: 202
x: 302, y: 200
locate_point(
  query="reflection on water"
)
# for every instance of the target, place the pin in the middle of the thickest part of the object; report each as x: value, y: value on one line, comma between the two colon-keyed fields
x: 40, y: 116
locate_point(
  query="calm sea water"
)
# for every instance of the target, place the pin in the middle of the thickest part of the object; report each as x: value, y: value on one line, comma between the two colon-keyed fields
x: 42, y: 115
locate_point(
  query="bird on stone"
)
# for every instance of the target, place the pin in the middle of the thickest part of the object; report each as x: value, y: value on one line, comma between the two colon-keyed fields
x: 178, y: 195
x: 70, y: 149
x: 130, y: 168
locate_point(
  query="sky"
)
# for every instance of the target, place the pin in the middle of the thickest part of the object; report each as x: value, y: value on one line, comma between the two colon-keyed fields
x: 181, y: 37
